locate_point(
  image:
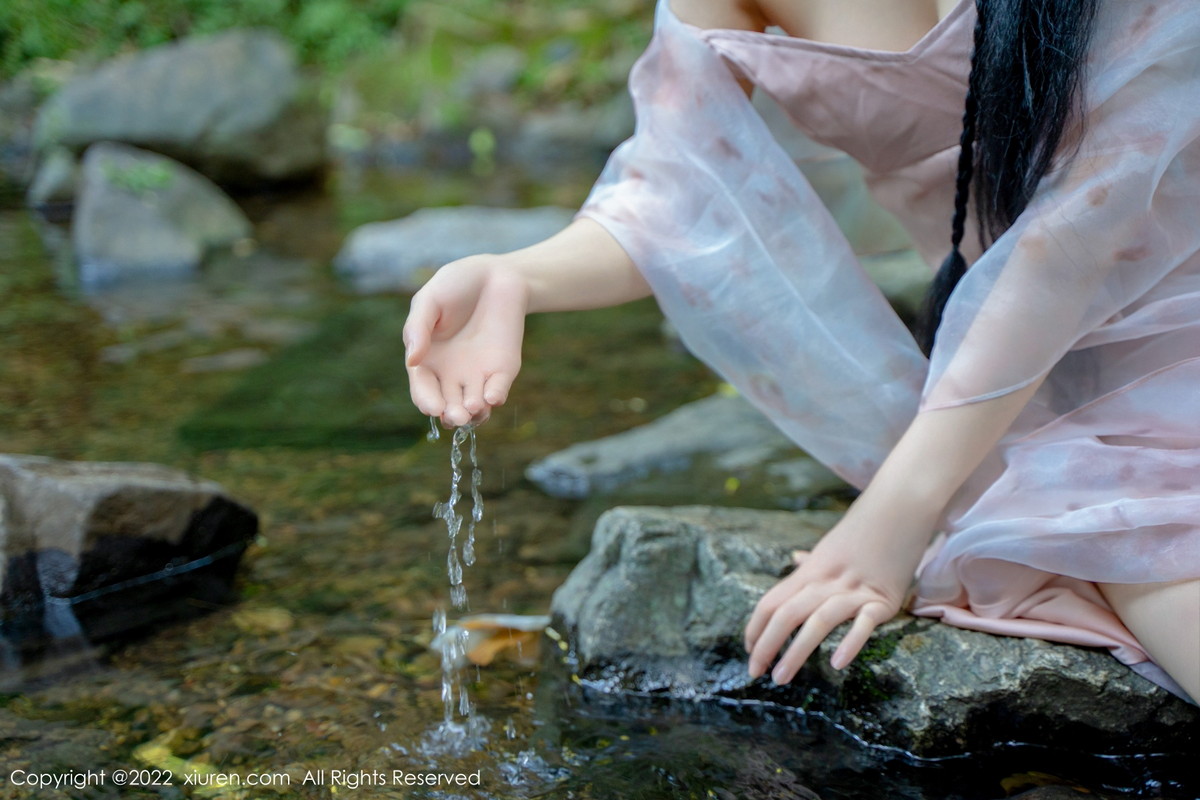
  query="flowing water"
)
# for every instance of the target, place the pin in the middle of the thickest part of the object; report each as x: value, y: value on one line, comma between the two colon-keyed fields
x: 453, y: 736
x: 323, y: 669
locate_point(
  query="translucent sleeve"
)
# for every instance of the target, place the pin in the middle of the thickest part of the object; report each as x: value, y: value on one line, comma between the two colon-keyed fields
x: 1120, y: 218
x: 749, y: 265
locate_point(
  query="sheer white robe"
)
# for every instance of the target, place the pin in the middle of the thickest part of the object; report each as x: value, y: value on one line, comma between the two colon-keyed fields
x: 1097, y: 283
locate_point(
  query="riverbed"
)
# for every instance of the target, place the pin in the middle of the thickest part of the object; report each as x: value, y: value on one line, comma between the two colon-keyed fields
x: 318, y: 681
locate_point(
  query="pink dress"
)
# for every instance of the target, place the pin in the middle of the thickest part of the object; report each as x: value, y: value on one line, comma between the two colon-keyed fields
x: 1098, y: 283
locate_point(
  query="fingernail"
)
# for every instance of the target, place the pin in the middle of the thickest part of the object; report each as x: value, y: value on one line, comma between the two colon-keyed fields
x: 754, y: 670
x: 837, y: 660
x: 777, y: 677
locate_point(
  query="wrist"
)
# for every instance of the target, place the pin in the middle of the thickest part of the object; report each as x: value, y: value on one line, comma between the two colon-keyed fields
x: 508, y: 278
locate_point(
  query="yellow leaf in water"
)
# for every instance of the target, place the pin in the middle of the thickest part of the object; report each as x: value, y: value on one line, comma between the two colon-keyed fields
x: 523, y: 644
x: 489, y: 635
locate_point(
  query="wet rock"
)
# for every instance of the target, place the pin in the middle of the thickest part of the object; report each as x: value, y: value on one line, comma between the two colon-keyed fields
x: 400, y: 255
x: 660, y: 602
x: 233, y: 105
x: 724, y: 426
x: 91, y: 550
x: 141, y: 215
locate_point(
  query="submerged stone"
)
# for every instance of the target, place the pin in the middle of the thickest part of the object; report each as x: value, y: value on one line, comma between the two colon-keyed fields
x: 659, y: 605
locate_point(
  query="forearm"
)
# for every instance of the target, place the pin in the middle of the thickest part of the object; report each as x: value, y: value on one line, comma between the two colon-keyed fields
x: 930, y: 462
x: 578, y: 268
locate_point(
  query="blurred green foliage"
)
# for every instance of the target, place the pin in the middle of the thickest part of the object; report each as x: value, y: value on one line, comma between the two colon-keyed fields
x: 409, y: 63
x: 324, y: 31
x: 572, y: 51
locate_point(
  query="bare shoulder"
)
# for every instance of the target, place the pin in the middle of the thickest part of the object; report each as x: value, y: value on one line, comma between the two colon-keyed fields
x: 739, y: 14
x: 876, y: 24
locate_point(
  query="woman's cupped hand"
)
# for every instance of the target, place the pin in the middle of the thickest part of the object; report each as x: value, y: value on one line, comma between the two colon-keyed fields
x: 463, y: 337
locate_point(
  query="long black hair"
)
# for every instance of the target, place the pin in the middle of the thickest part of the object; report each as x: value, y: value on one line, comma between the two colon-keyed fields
x: 1025, y: 82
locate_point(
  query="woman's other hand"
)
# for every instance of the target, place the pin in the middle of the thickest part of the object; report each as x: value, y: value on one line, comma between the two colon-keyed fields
x: 463, y: 337
x: 862, y: 569
x: 852, y: 574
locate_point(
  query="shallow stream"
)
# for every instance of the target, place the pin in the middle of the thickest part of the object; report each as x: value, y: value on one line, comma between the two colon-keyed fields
x: 322, y: 669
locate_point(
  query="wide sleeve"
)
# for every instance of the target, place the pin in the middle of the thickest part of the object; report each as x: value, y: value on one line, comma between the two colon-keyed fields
x: 1087, y: 262
x: 749, y: 265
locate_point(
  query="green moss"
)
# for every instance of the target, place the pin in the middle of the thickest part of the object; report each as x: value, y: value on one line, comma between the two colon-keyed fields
x: 138, y: 178
x: 862, y: 686
x: 880, y: 648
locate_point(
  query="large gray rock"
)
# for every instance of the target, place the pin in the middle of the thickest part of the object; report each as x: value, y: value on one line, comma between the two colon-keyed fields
x: 725, y: 427
x: 233, y: 105
x: 660, y: 603
x: 400, y: 255
x: 142, y: 215
x: 96, y: 549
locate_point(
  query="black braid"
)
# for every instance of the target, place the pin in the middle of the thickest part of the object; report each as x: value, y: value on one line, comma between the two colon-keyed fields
x: 955, y: 266
x: 1025, y: 82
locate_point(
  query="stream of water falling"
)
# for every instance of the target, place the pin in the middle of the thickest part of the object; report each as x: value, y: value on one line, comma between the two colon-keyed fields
x: 453, y: 735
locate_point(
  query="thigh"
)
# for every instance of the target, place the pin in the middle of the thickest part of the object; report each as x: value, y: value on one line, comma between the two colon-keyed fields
x: 1165, y: 618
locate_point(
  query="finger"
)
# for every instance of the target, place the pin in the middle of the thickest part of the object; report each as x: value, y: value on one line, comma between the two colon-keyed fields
x: 482, y: 416
x: 426, y: 391
x: 418, y: 328
x: 798, y: 556
x: 833, y: 612
x: 787, y: 618
x: 473, y: 398
x: 870, y: 617
x: 454, y: 414
x: 767, y: 604
x: 495, y: 389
